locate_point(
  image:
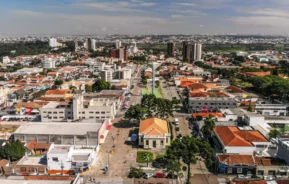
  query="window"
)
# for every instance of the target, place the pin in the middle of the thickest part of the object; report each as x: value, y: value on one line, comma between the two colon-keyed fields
x: 230, y: 170
x: 96, y: 112
x: 239, y: 170
x: 102, y: 112
x: 60, y: 112
x: 90, y: 112
x: 49, y: 117
x: 90, y: 117
x: 54, y: 112
x: 260, y: 172
x: 49, y: 112
x: 162, y: 142
x: 224, y: 103
x: 147, y: 142
x: 54, y: 117
x: 55, y: 159
x: 83, y: 112
x: 61, y: 117
x: 212, y: 103
x: 44, y: 112
x: 68, y: 112
x: 167, y: 140
x: 154, y: 144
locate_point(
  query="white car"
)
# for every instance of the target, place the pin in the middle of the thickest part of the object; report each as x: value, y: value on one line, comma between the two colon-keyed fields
x: 148, y: 175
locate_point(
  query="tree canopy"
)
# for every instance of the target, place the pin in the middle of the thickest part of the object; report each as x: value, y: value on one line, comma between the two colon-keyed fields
x: 135, y: 112
x: 186, y: 150
x: 13, y: 150
x: 100, y: 85
x: 209, y: 125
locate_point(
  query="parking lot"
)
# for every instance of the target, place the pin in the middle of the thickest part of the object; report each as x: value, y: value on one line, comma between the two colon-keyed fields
x: 169, y: 91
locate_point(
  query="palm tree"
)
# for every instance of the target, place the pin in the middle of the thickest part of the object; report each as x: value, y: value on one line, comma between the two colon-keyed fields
x: 274, y: 132
x: 209, y: 125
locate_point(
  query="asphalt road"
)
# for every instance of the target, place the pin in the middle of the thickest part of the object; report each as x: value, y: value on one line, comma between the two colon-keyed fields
x: 169, y: 91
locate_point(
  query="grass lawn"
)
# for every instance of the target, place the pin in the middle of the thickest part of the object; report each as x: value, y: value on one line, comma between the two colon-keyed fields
x: 149, y: 91
x: 141, y: 156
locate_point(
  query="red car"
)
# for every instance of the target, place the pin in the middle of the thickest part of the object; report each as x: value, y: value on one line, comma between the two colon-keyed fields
x: 160, y: 175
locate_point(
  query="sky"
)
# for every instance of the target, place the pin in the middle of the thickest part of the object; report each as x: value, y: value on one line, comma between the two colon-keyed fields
x: 100, y: 17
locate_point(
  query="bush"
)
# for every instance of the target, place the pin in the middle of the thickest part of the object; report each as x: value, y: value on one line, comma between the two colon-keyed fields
x: 135, y: 172
x: 141, y: 156
x: 184, y: 168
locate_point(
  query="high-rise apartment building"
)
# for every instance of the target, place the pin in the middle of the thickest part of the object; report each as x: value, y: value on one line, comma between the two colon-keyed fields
x: 187, y: 48
x: 171, y: 49
x: 52, y: 42
x: 93, y: 44
x: 88, y: 43
x: 197, y: 51
x: 75, y: 46
x: 118, y: 44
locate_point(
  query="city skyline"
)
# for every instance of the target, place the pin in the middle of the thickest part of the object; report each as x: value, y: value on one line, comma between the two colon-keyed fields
x: 144, y: 17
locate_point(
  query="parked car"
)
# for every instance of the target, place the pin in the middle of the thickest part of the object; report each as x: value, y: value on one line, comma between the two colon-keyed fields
x: 159, y: 162
x: 160, y: 175
x: 177, y: 128
x: 148, y: 175
x: 180, y: 136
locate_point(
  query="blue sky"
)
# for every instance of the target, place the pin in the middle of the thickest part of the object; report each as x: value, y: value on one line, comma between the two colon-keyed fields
x: 22, y: 17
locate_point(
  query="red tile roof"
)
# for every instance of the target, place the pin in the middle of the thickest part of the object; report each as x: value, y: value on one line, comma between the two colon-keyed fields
x: 234, y: 89
x: 207, y: 114
x: 232, y: 136
x: 236, y: 159
x: 31, y: 145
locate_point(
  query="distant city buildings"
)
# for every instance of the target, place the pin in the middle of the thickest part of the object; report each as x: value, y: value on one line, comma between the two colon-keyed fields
x: 48, y: 63
x: 53, y: 42
x: 197, y: 51
x: 171, y: 49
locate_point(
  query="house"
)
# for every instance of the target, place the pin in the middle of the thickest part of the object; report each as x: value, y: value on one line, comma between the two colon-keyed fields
x: 154, y: 133
x: 240, y: 140
x: 36, y: 148
x: 235, y: 164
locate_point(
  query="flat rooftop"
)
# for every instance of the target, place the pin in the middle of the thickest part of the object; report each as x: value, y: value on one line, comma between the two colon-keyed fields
x: 32, y: 161
x: 60, y: 149
x: 62, y: 128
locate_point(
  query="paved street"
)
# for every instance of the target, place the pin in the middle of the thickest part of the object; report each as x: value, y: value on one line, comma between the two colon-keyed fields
x: 114, y: 151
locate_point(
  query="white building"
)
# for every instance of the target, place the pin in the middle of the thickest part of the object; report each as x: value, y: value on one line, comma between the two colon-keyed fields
x: 52, y: 42
x: 240, y: 140
x: 79, y: 134
x: 118, y: 44
x: 106, y: 75
x: 48, y: 63
x: 69, y: 160
x: 5, y: 59
x: 82, y: 107
x: 93, y: 44
x: 211, y: 103
x: 197, y: 52
x: 271, y: 109
x: 123, y: 73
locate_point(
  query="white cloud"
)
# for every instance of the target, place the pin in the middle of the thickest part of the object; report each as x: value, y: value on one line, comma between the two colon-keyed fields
x: 115, y: 7
x: 267, y: 12
x: 264, y: 21
x: 186, y: 4
x: 147, y: 4
x: 26, y: 13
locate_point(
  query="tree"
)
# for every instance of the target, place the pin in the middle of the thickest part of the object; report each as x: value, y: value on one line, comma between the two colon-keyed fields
x: 209, y: 125
x: 13, y: 150
x: 100, y: 85
x: 157, y: 84
x: 173, y: 167
x: 58, y: 82
x: 250, y: 108
x: 137, y: 112
x: 158, y: 107
x: 88, y: 88
x: 186, y: 149
x: 274, y: 132
x: 135, y: 172
x: 144, y: 81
